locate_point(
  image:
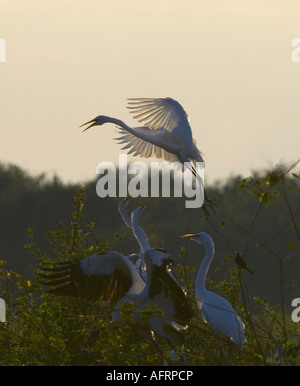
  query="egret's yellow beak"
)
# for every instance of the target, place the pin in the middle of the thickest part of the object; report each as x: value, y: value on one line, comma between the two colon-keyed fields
x: 126, y: 199
x: 188, y: 236
x: 145, y: 204
x: 93, y: 121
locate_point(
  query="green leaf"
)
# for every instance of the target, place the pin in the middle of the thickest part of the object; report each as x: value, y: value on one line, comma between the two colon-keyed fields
x: 223, y: 223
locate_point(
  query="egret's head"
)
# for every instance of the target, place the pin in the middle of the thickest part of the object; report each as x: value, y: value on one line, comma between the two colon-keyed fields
x: 124, y: 203
x: 201, y: 238
x: 94, y: 122
x: 139, y: 210
x: 159, y: 257
x: 144, y: 205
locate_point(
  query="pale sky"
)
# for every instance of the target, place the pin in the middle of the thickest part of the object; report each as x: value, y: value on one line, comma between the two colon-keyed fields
x: 227, y: 62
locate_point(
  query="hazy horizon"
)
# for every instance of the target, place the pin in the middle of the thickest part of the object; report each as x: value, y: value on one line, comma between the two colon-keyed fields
x: 228, y: 63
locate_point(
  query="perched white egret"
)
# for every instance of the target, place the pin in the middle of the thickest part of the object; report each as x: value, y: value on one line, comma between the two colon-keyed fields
x: 142, y: 239
x: 164, y: 293
x: 176, y: 295
x: 167, y: 133
x: 182, y: 304
x: 215, y: 310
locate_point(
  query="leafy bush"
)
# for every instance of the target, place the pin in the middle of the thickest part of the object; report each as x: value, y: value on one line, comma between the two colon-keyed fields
x: 42, y: 329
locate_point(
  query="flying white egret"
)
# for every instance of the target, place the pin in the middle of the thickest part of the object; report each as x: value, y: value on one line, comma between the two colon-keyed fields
x: 215, y: 310
x: 167, y: 133
x: 112, y: 277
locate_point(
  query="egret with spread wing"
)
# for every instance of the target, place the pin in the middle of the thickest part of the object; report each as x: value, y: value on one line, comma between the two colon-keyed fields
x: 104, y: 277
x: 167, y: 133
x: 215, y: 310
x: 112, y: 277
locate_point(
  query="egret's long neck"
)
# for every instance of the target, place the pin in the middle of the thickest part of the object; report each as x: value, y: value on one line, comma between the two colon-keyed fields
x: 144, y: 245
x: 124, y: 214
x: 201, y: 277
x: 117, y: 122
x: 140, y: 132
x: 138, y: 232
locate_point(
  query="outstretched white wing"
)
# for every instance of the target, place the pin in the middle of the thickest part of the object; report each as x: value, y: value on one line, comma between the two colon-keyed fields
x: 142, y: 143
x: 162, y: 112
x: 106, y: 277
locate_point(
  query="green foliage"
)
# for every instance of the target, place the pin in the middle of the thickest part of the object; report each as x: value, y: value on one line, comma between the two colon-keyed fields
x: 43, y: 329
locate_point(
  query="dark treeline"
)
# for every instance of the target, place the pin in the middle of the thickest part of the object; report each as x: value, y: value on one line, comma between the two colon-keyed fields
x: 258, y: 217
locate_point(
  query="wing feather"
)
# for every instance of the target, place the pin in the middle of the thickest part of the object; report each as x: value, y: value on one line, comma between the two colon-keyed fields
x: 183, y: 310
x: 163, y: 283
x: 143, y: 148
x: 106, y: 277
x: 162, y: 112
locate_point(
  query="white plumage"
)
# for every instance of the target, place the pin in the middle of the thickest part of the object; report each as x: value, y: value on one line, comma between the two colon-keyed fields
x: 215, y: 310
x: 166, y: 135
